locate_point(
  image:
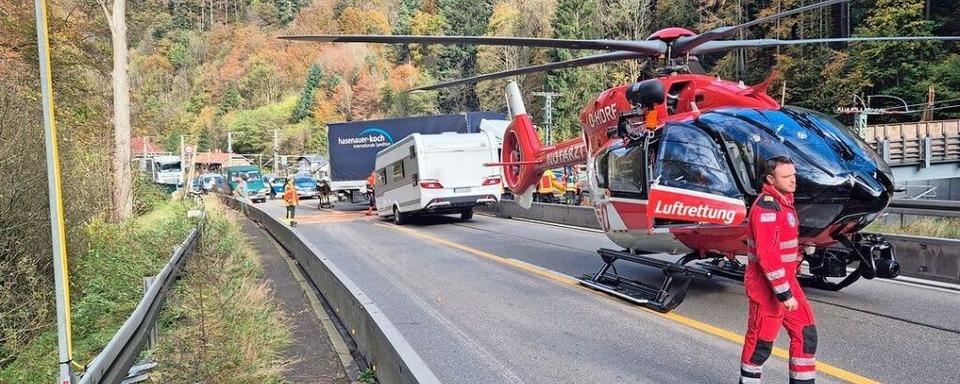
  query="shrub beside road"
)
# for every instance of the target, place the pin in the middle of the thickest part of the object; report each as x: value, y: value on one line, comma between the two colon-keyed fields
x: 221, y: 324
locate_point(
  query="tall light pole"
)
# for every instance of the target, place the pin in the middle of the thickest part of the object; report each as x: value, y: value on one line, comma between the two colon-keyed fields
x: 57, y: 228
x: 548, y: 112
x: 229, y: 142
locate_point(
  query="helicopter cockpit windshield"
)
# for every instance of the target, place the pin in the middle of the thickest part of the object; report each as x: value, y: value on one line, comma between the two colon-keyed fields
x: 751, y: 136
x: 689, y: 159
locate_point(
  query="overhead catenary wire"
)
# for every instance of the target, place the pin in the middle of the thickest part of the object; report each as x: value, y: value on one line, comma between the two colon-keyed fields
x: 923, y: 103
x: 931, y: 109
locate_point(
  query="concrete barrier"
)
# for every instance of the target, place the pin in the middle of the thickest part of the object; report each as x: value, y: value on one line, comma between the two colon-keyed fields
x: 553, y: 213
x: 921, y: 257
x: 378, y: 340
x: 927, y: 257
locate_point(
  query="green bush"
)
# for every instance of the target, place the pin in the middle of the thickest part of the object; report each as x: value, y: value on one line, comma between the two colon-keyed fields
x: 147, y: 195
x: 106, y: 285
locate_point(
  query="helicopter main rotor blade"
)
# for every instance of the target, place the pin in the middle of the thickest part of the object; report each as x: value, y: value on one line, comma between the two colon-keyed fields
x: 646, y: 47
x: 578, y: 62
x: 685, y: 45
x: 725, y: 45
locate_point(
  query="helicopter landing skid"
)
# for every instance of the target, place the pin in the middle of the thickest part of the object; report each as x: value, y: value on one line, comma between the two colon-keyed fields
x: 663, y: 298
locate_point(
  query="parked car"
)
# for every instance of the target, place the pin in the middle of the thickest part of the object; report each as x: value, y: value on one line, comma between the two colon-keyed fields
x: 197, y: 185
x: 306, y: 187
x: 277, y: 185
x: 212, y: 182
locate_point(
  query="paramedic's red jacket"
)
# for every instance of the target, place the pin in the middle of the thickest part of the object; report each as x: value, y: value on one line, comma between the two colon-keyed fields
x: 773, y: 246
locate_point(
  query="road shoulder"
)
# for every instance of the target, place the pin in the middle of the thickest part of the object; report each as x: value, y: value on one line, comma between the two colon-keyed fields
x: 312, y: 356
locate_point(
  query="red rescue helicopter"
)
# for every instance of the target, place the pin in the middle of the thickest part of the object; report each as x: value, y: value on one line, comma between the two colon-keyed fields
x: 673, y: 161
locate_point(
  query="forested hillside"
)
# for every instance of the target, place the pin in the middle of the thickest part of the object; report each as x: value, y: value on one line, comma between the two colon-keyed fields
x: 202, y: 68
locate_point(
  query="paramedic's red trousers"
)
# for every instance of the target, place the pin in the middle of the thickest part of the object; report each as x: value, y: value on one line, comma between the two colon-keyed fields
x: 766, y: 317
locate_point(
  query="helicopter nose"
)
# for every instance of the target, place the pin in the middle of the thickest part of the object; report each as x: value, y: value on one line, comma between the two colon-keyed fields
x: 872, y: 191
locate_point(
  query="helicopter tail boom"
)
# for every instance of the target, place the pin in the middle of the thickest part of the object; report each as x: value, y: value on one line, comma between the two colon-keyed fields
x: 524, y: 157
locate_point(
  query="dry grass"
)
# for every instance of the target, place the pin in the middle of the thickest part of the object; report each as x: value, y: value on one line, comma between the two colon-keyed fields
x: 221, y: 325
x: 948, y: 228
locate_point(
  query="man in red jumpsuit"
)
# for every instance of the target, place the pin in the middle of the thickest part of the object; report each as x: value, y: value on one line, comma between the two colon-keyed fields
x: 771, y: 280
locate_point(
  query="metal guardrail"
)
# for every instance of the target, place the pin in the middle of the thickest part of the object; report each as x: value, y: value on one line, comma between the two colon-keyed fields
x: 113, y: 363
x: 933, y: 208
x: 378, y: 340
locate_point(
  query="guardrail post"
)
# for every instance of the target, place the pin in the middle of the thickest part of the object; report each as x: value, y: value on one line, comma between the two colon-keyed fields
x: 885, y: 150
x: 152, y: 337
x: 926, y: 148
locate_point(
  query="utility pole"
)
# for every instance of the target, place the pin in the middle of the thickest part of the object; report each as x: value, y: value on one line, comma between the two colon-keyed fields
x: 57, y: 228
x: 183, y: 160
x: 928, y: 109
x: 143, y: 156
x: 548, y: 112
x: 229, y: 142
x: 276, y: 153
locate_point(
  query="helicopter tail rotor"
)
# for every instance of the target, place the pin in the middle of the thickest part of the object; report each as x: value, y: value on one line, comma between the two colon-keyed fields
x: 521, y: 146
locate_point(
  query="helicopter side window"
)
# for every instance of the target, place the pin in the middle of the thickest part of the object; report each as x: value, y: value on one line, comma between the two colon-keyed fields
x: 601, y: 162
x: 689, y: 160
x: 625, y: 171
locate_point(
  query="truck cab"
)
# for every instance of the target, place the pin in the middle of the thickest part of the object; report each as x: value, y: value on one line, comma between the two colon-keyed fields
x: 256, y: 190
x: 166, y: 170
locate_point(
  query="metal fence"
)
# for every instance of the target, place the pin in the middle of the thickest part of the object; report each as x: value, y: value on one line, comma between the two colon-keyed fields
x: 916, y: 143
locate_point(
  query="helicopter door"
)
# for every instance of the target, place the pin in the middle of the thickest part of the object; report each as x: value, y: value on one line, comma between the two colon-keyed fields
x: 620, y: 175
x: 689, y: 181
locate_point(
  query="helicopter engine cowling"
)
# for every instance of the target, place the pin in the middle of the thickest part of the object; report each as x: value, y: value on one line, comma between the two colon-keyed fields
x: 645, y: 93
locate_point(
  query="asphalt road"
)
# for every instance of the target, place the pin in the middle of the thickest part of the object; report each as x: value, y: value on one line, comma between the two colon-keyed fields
x: 491, y: 301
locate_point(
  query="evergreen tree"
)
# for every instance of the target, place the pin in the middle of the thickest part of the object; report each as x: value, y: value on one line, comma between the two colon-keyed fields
x: 231, y: 99
x: 287, y: 10
x: 464, y: 18
x: 676, y: 13
x: 205, y: 141
x: 896, y: 68
x: 400, y: 53
x: 574, y: 19
x: 305, y: 103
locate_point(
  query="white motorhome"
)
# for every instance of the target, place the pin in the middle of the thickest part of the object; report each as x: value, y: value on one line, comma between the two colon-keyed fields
x: 166, y: 170
x: 437, y: 174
